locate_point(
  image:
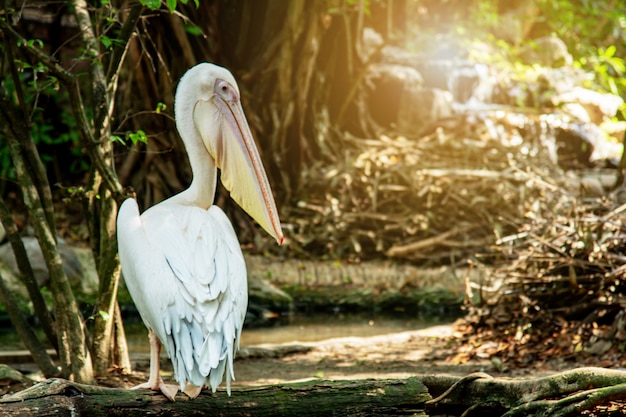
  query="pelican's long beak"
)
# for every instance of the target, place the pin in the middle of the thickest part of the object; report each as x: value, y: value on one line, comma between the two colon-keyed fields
x: 236, y: 154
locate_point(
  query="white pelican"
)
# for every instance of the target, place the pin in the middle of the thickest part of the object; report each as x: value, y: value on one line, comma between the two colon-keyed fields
x: 181, y: 259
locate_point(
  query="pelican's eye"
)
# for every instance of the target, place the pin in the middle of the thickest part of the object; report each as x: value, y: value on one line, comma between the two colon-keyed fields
x: 226, y: 91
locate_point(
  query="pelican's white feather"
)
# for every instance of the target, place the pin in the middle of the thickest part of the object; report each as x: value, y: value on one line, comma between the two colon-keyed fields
x: 181, y: 259
x: 193, y: 296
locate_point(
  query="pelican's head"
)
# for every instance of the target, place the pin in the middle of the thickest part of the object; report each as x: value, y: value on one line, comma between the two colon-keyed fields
x: 210, y: 95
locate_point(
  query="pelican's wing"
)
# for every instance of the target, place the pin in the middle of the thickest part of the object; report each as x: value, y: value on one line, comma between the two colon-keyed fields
x: 145, y: 270
x: 203, y: 321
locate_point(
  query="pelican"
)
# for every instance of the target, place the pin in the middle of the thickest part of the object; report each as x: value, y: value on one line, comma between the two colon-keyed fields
x: 181, y: 260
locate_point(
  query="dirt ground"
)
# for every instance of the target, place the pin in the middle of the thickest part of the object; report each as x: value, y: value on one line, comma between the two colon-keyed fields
x: 398, y: 355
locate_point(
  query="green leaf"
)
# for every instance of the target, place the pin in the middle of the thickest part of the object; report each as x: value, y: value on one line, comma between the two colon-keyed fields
x: 160, y: 107
x: 612, y: 86
x: 115, y: 138
x: 139, y: 136
x: 171, y: 4
x: 135, y: 137
x: 193, y: 29
x: 196, y: 2
x: 33, y: 42
x: 151, y: 4
x: 106, y: 41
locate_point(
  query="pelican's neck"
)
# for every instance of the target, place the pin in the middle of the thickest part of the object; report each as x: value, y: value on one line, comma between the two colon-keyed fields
x: 201, y: 192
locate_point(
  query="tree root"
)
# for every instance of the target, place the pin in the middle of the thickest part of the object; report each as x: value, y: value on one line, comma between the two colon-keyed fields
x: 571, y: 405
x: 559, y: 395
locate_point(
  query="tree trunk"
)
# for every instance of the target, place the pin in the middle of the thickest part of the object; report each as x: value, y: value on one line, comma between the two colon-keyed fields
x: 26, y: 333
x: 73, y: 352
x: 108, y: 266
x: 68, y: 332
x: 102, y: 206
x: 94, y: 134
x: 296, y: 81
x: 28, y: 276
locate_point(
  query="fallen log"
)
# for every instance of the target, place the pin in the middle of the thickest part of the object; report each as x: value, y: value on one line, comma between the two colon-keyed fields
x: 563, y: 394
x: 59, y: 397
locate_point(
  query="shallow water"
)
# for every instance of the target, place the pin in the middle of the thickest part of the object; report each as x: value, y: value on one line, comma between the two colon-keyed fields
x: 309, y: 329
x: 306, y: 328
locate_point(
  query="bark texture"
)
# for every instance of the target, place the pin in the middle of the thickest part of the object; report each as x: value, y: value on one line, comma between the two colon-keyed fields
x: 564, y: 394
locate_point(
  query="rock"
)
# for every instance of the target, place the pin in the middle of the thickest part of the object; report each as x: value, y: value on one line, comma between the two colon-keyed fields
x: 466, y: 80
x: 599, y: 106
x: 615, y: 129
x: 398, y: 56
x: 71, y: 265
x: 9, y: 375
x: 90, y: 281
x: 592, y: 187
x: 577, y: 112
x: 266, y: 302
x: 372, y: 40
x: 560, y: 80
x: 599, y: 347
x: 471, y: 82
x: 548, y: 52
x: 420, y: 108
x: 606, y: 152
x: 389, y: 82
x: 436, y: 73
x: 574, y: 146
x: 15, y: 286
x: 597, y: 182
x: 583, y: 144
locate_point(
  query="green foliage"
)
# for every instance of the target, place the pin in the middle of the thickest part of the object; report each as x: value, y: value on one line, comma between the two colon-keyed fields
x: 171, y: 4
x: 160, y: 107
x: 485, y: 14
x: 33, y: 42
x: 585, y: 25
x: 595, y: 34
x: 52, y: 124
x: 109, y: 42
x: 152, y: 4
x: 106, y: 316
x: 133, y: 137
x: 609, y: 69
x: 192, y: 29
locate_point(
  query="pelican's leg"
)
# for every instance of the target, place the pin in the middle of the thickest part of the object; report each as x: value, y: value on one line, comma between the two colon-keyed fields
x: 155, y: 382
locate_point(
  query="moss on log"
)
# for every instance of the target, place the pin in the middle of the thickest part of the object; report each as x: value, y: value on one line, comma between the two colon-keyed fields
x: 58, y: 397
x: 569, y: 393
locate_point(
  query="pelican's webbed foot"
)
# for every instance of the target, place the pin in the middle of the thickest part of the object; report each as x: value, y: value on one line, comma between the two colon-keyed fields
x: 192, y: 391
x: 169, y: 391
